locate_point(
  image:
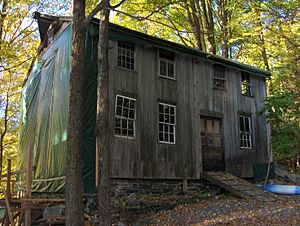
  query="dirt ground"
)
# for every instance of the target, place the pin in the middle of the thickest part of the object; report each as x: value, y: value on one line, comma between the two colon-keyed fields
x: 231, y: 211
x: 221, y: 210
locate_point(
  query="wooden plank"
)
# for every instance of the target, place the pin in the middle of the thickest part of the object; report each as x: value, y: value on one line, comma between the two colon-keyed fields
x: 8, y: 188
x: 239, y: 187
x: 184, y: 185
x: 29, y: 184
x: 7, y: 202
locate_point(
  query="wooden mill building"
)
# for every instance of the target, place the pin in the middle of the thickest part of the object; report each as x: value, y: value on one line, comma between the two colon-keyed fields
x: 175, y: 111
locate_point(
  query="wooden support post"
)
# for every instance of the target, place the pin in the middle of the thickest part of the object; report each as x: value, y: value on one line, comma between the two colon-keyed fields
x: 184, y: 185
x: 8, y: 188
x: 29, y: 184
x: 97, y: 165
x: 8, y: 209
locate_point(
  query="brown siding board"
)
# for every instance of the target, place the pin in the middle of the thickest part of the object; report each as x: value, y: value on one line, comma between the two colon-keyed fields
x: 192, y: 92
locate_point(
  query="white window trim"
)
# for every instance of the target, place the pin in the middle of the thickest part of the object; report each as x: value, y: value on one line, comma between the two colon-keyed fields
x: 220, y: 79
x: 250, y: 131
x: 122, y: 117
x: 247, y: 84
x: 167, y: 61
x: 166, y: 142
x: 134, y: 56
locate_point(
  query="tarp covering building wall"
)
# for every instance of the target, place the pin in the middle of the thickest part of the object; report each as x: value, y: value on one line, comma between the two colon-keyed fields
x: 45, y: 116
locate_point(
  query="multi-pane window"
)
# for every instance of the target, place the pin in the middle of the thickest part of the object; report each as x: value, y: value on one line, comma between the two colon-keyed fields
x: 245, y: 132
x: 166, y: 64
x: 166, y: 123
x: 125, y: 116
x: 126, y: 55
x: 246, y: 85
x: 219, y: 77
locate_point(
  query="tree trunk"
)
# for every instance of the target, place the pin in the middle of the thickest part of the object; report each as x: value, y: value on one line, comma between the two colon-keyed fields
x: 3, y: 133
x: 224, y: 15
x: 74, y: 184
x: 2, y: 19
x: 209, y: 22
x: 103, y: 130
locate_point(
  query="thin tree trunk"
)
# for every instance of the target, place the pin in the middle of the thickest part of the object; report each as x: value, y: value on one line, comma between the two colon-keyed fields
x: 262, y: 43
x: 3, y: 133
x: 209, y: 22
x: 193, y: 22
x: 103, y: 130
x: 74, y: 184
x: 223, y: 12
x: 2, y: 19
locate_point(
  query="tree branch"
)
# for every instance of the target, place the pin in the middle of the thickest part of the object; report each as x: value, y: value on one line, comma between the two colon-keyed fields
x: 100, y: 6
x: 117, y: 5
x: 14, y: 66
x: 140, y: 18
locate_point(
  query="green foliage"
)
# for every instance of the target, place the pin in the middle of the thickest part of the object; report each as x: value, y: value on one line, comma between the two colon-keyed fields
x: 286, y: 142
x: 283, y: 111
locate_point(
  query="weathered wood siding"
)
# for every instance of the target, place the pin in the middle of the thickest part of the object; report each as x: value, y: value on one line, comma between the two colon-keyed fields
x: 193, y: 94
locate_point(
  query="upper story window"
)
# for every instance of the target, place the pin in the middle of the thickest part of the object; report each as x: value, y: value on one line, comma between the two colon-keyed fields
x: 166, y: 64
x: 126, y: 56
x: 219, y: 77
x: 125, y: 116
x: 166, y: 123
x: 245, y: 132
x: 246, y: 86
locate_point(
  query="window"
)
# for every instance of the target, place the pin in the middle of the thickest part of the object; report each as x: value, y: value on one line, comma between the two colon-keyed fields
x: 245, y: 132
x: 126, y: 55
x: 166, y: 64
x: 125, y: 116
x: 246, y: 86
x: 166, y: 124
x: 219, y: 77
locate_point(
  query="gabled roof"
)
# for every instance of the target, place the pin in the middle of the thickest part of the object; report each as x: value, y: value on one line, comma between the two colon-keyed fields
x: 115, y: 31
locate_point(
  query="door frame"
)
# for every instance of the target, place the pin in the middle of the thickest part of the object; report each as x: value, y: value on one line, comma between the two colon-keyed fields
x: 217, y: 116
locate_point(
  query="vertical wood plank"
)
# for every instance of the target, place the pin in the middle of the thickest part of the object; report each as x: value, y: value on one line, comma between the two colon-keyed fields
x: 29, y: 184
x: 8, y: 209
x: 8, y: 187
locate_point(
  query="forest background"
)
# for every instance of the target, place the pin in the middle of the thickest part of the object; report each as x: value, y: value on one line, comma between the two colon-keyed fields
x: 262, y: 33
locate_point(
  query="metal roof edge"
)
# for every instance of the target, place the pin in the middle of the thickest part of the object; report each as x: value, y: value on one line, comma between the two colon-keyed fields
x: 189, y: 50
x: 165, y: 43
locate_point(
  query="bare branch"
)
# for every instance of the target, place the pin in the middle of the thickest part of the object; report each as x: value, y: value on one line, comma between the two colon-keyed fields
x: 117, y: 5
x: 14, y: 66
x: 15, y: 36
x: 100, y: 6
x: 140, y: 18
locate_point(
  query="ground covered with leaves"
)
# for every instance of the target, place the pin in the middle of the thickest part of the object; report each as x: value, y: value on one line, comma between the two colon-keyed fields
x: 210, y: 209
x: 231, y: 211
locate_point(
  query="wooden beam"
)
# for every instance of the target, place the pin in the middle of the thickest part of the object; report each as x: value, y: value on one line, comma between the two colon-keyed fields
x: 8, y: 188
x: 184, y: 185
x: 29, y: 184
x: 8, y: 209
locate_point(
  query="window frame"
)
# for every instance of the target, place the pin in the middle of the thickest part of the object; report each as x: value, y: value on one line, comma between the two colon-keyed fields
x: 134, y: 55
x: 220, y: 69
x: 166, y: 123
x: 167, y: 61
x: 126, y: 118
x: 244, y: 132
x: 246, y: 84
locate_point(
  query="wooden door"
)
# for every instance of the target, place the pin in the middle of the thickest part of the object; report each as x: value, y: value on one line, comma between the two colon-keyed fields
x: 211, y: 142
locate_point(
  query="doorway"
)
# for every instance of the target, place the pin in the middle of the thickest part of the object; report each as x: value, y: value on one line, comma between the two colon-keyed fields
x: 211, y: 143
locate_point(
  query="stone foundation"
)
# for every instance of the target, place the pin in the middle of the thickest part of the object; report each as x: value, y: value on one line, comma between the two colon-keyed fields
x: 121, y: 187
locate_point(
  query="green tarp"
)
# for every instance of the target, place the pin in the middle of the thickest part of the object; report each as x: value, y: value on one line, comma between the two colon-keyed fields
x: 45, y: 115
